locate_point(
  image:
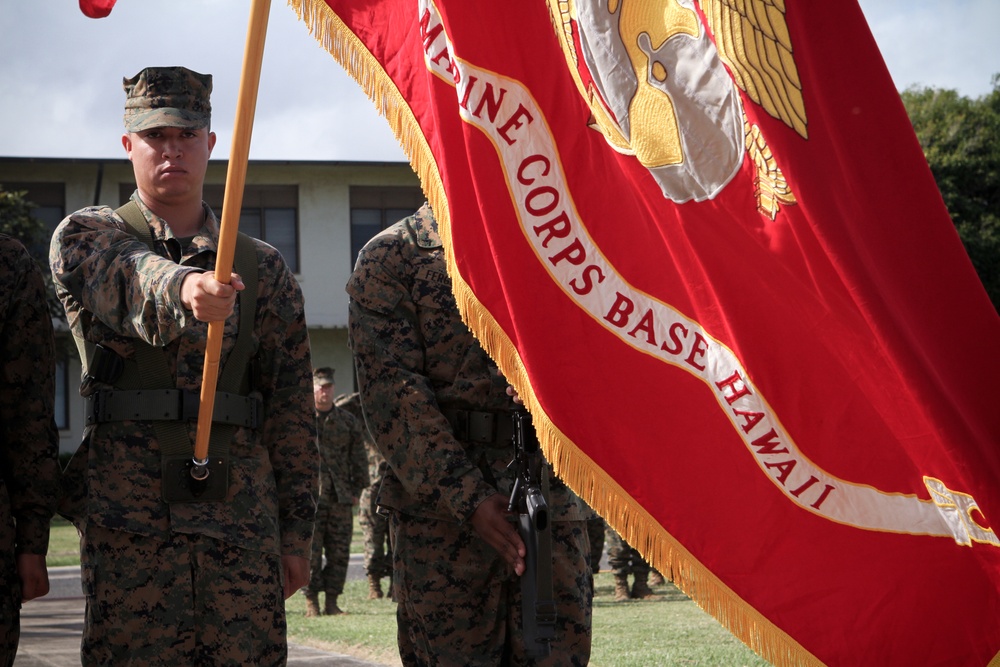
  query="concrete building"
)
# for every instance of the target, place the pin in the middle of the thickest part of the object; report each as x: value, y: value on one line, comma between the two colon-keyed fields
x: 318, y: 214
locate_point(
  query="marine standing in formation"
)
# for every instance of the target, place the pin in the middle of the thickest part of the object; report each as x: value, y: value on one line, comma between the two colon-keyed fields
x: 625, y: 560
x: 343, y: 473
x: 438, y: 410
x: 29, y: 440
x: 189, y: 580
x: 374, y: 526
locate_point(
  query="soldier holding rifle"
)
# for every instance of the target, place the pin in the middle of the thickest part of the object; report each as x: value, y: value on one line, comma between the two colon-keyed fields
x: 437, y: 408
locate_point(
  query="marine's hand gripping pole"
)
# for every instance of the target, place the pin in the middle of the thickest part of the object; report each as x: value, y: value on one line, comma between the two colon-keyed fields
x: 246, y: 104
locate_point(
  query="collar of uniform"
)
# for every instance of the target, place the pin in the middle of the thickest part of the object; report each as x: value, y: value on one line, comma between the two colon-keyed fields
x: 206, y: 239
x: 425, y: 230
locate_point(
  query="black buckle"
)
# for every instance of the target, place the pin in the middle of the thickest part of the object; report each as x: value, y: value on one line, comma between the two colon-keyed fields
x: 95, y: 407
x: 545, y: 613
x: 105, y: 365
x: 256, y: 413
x: 482, y: 427
x: 190, y: 405
x: 461, y: 424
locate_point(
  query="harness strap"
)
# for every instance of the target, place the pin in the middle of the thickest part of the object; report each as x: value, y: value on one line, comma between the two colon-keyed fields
x: 112, y: 405
x: 153, y: 370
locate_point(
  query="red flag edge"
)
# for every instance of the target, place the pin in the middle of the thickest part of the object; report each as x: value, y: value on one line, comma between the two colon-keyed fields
x: 97, y: 9
x: 577, y: 469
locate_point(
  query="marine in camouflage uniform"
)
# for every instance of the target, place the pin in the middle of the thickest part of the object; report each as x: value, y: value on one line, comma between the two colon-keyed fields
x: 374, y: 525
x: 183, y: 583
x: 423, y: 380
x: 343, y: 473
x: 624, y: 560
x: 29, y: 441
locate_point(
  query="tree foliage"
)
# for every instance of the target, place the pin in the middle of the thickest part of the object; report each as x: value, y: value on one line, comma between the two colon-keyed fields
x: 961, y: 141
x: 16, y: 221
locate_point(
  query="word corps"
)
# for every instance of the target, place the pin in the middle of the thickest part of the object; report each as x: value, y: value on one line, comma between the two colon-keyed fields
x: 506, y: 113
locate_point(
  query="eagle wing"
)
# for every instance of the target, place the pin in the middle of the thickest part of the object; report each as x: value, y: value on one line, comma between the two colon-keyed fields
x: 752, y: 39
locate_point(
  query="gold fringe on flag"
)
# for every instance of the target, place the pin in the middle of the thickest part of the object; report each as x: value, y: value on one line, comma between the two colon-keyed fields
x: 577, y: 469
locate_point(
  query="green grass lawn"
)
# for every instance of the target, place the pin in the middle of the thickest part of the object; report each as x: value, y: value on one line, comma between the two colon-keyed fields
x: 666, y: 630
x: 64, y: 544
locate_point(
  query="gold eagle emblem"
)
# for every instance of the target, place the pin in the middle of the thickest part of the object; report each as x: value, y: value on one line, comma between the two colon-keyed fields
x: 752, y: 39
x: 645, y: 69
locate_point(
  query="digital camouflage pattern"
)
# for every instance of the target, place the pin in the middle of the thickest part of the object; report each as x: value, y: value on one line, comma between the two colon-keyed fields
x: 595, y: 533
x: 135, y: 622
x: 415, y: 357
x: 344, y: 460
x: 29, y: 440
x: 460, y: 604
x: 115, y: 290
x: 343, y: 474
x: 374, y: 526
x: 167, y: 97
x: 623, y: 559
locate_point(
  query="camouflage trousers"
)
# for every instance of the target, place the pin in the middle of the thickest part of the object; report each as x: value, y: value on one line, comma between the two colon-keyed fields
x: 595, y: 531
x: 10, y: 610
x: 375, y: 528
x: 623, y: 559
x: 332, y: 535
x: 459, y: 603
x: 189, y: 600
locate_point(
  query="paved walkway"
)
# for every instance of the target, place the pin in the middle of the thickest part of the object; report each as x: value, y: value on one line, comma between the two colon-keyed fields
x: 51, y: 628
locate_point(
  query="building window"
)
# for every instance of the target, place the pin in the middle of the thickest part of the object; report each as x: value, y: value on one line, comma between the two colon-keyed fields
x: 269, y: 213
x: 374, y: 208
x: 62, y: 393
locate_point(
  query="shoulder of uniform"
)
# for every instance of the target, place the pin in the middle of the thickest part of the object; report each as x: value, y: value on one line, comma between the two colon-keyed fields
x: 346, y: 399
x: 102, y: 211
x: 424, y: 229
x: 274, y: 266
x: 12, y: 250
x: 91, y: 217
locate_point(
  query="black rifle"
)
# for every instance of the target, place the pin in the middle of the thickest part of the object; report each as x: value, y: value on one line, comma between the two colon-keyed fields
x: 538, y: 610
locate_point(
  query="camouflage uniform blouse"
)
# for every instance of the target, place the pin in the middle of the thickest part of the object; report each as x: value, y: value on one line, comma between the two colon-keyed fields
x: 115, y: 290
x: 29, y: 441
x: 376, y: 462
x: 415, y: 357
x: 344, y: 470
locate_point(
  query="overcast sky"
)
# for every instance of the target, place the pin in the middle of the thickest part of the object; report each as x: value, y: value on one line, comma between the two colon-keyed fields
x: 60, y: 72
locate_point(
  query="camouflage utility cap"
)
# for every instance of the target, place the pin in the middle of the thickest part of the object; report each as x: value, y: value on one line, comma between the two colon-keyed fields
x: 167, y: 97
x: 322, y: 376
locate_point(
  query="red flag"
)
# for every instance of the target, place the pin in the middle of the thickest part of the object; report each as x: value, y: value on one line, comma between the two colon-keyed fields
x: 97, y: 9
x: 707, y: 250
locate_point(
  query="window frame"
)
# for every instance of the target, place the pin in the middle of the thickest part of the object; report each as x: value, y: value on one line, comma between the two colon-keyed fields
x: 390, y: 203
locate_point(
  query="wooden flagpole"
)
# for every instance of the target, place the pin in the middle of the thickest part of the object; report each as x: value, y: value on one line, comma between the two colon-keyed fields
x: 239, y: 153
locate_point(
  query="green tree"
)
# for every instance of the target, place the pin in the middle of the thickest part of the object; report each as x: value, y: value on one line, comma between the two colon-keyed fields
x: 16, y: 220
x: 961, y: 141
